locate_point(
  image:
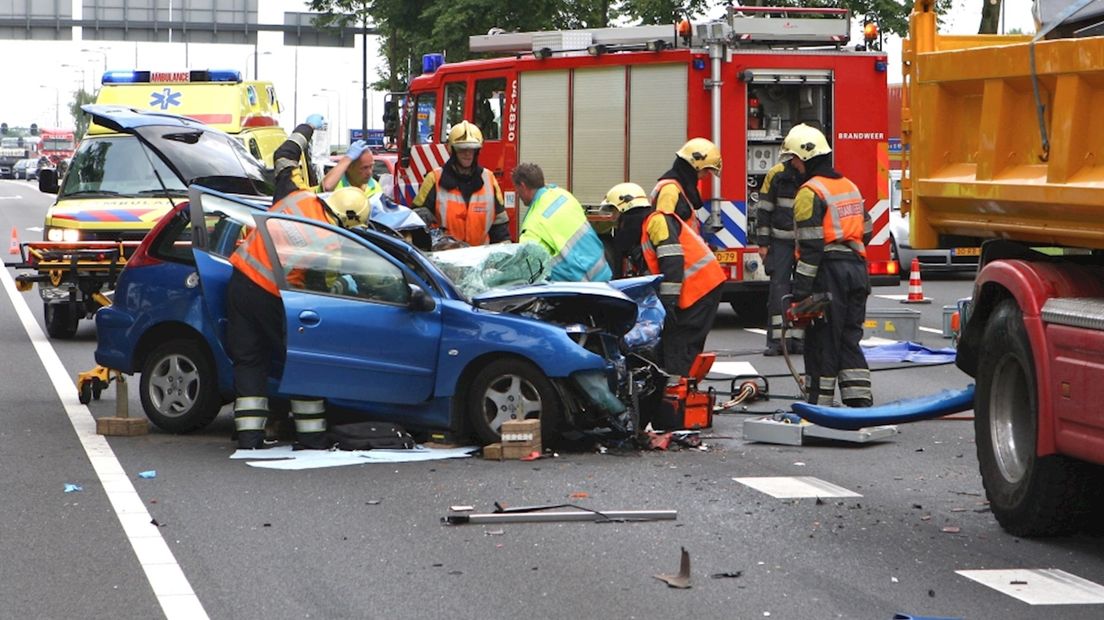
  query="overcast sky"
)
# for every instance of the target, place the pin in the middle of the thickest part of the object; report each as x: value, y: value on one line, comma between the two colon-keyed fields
x: 328, y: 79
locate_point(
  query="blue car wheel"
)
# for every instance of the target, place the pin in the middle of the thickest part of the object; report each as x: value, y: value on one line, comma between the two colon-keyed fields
x: 179, y: 387
x: 509, y: 389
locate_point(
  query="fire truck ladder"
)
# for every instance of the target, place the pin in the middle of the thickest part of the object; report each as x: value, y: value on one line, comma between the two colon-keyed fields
x: 788, y: 26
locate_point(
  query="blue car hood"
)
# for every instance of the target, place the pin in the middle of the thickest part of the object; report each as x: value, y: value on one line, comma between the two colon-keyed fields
x: 565, y: 302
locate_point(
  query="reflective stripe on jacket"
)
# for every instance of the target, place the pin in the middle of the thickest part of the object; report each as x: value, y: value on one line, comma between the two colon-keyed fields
x: 469, y: 221
x: 251, y: 257
x: 654, y: 199
x: 557, y: 221
x: 371, y: 188
x: 844, y: 214
x: 701, y: 271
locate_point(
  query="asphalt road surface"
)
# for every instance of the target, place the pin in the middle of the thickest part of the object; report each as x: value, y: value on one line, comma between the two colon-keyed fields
x: 365, y: 541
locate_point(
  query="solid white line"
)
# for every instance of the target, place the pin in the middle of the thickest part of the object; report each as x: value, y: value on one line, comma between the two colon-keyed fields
x: 930, y: 330
x: 756, y: 330
x: 163, y: 573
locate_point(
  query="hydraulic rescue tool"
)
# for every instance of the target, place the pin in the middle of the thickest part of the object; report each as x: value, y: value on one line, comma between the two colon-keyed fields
x: 801, y: 314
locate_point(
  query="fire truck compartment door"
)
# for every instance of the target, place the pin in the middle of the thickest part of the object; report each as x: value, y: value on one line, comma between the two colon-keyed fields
x: 786, y: 76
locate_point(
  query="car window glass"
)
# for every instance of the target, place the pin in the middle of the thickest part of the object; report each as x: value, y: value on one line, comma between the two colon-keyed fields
x: 211, y: 158
x: 320, y: 260
x: 490, y: 96
x: 117, y: 166
x: 175, y: 241
x: 425, y: 118
x: 227, y: 223
x: 454, y: 106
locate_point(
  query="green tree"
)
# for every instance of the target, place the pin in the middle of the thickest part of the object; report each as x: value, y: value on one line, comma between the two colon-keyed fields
x: 664, y: 11
x: 80, y: 119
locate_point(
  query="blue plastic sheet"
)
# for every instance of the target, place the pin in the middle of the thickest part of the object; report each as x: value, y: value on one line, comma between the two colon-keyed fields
x: 909, y: 352
x: 73, y: 488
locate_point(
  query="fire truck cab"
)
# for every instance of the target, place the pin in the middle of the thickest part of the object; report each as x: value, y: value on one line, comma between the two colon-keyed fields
x: 598, y: 107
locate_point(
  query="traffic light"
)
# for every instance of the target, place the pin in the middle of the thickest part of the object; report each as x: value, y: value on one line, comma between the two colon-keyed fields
x: 3, y: 129
x: 34, y: 129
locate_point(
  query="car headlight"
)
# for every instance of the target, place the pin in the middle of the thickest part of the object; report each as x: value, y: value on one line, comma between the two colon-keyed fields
x: 68, y: 235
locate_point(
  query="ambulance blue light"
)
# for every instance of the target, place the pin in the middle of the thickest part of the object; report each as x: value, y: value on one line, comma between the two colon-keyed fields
x: 430, y: 62
x: 120, y: 77
x: 224, y: 75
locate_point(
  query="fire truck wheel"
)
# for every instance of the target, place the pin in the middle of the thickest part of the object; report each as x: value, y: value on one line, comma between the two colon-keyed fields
x: 1028, y: 494
x: 61, y: 321
x: 751, y: 308
x: 508, y: 389
x: 179, y: 387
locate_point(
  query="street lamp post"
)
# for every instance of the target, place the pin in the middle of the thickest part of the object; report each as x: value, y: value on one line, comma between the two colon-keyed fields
x: 327, y: 99
x: 256, y: 61
x: 77, y: 68
x: 57, y: 103
x: 337, y: 122
x: 101, y: 52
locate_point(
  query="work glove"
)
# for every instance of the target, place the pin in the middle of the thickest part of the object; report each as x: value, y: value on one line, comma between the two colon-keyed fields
x: 356, y: 149
x: 344, y: 285
x: 317, y: 121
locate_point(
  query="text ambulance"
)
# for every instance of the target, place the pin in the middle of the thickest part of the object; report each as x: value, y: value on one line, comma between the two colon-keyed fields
x: 597, y: 107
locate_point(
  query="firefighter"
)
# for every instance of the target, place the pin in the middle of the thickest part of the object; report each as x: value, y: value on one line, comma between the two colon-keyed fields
x: 257, y: 331
x: 354, y: 170
x: 832, y: 228
x: 671, y: 245
x: 465, y: 197
x: 557, y: 221
x: 633, y: 207
x: 774, y: 231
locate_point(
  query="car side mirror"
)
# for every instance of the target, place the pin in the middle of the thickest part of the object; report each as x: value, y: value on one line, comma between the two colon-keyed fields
x: 48, y: 181
x: 420, y: 301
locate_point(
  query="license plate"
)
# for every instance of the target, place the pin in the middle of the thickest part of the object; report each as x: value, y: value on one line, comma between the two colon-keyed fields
x: 966, y: 252
x: 727, y: 257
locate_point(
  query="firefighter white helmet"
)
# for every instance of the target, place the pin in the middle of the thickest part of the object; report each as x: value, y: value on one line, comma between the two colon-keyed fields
x: 625, y: 196
x: 805, y: 142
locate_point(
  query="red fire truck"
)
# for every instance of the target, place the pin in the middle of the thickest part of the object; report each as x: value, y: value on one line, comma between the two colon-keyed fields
x: 597, y: 107
x: 57, y: 144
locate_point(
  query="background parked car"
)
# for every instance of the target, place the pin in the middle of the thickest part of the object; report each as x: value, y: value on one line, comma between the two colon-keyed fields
x: 25, y: 169
x: 944, y: 260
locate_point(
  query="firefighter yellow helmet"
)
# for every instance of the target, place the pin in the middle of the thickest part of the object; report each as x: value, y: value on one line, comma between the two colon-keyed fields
x: 805, y: 142
x: 702, y: 154
x: 464, y: 135
x: 351, y: 205
x: 625, y: 196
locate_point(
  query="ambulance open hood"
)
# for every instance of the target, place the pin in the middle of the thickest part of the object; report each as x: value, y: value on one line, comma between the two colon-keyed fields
x: 195, y: 152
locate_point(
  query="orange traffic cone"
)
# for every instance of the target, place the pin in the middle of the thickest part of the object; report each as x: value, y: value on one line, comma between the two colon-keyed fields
x: 916, y: 288
x: 14, y: 247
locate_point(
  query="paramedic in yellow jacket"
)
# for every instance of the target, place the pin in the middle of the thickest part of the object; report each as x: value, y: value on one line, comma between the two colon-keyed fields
x: 354, y: 170
x: 464, y: 197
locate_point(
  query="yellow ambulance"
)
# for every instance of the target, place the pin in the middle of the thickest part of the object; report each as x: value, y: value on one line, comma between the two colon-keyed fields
x: 113, y: 188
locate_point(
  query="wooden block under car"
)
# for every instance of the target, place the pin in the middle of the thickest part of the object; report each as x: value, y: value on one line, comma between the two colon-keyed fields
x: 122, y: 427
x: 493, y: 452
x: 520, y: 438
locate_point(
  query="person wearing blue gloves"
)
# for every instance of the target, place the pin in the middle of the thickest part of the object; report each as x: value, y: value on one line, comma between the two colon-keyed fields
x: 354, y: 170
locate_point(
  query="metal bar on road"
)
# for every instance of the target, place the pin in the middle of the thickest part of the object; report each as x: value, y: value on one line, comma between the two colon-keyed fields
x: 562, y: 515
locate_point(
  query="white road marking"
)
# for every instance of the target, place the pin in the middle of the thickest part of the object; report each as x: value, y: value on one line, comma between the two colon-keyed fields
x: 875, y: 341
x: 16, y: 197
x: 164, y: 574
x: 756, y: 330
x: 893, y: 297
x: 733, y: 369
x: 930, y: 330
x: 790, y: 487
x: 1039, y: 586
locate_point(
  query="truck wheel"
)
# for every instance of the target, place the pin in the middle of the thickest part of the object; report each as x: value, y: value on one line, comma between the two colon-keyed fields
x: 509, y: 389
x: 61, y: 321
x: 179, y: 387
x: 1028, y: 494
x: 751, y: 308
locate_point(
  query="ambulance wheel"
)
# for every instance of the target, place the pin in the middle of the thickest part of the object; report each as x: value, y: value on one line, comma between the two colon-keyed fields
x: 61, y: 321
x: 179, y: 387
x: 509, y: 389
x: 1029, y: 495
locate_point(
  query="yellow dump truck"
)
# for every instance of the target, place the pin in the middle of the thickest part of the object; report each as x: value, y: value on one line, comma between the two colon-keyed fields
x: 1004, y: 144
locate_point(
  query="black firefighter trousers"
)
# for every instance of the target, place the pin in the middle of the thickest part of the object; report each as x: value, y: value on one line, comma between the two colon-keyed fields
x: 779, y: 265
x: 684, y: 336
x: 832, y: 351
x: 256, y: 337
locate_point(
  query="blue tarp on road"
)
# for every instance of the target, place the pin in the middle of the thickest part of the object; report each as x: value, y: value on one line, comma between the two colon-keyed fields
x: 908, y: 352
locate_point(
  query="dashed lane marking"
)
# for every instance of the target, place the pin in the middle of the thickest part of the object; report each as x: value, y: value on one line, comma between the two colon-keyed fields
x: 170, y: 585
x: 894, y: 297
x: 791, y: 487
x: 756, y: 330
x: 930, y: 330
x: 1039, y: 586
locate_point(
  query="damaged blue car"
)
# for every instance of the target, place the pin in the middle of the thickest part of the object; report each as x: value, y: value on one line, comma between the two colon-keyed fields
x: 398, y: 341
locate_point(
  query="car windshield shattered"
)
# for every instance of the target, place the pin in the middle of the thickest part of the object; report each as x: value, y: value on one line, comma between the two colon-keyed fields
x: 479, y: 269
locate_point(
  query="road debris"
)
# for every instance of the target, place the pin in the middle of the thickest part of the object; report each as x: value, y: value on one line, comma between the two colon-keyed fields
x: 73, y: 488
x: 147, y: 475
x: 682, y: 579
